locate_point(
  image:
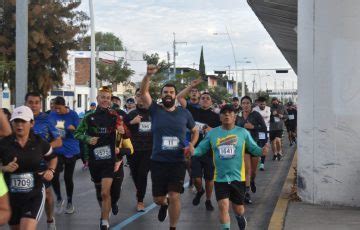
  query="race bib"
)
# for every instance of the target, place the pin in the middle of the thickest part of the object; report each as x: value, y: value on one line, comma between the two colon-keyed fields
x: 276, y: 119
x: 226, y: 151
x: 200, y: 126
x: 170, y: 143
x: 262, y: 136
x: 22, y: 183
x: 145, y: 127
x: 102, y: 153
x: 291, y: 117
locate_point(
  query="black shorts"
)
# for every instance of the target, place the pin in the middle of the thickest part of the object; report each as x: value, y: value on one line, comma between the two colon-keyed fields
x: 167, y: 177
x: 27, y: 208
x: 235, y: 191
x: 202, y: 167
x: 101, y: 169
x: 291, y: 128
x: 275, y: 133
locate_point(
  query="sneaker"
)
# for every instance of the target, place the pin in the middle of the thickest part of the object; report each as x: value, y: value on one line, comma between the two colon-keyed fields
x: 51, y: 225
x: 70, y: 209
x: 291, y: 143
x: 247, y: 198
x: 262, y: 167
x: 274, y: 157
x: 163, y: 212
x: 115, y: 209
x: 59, y: 208
x: 279, y: 157
x: 196, y: 200
x: 208, y: 205
x: 253, y: 186
x: 104, y: 226
x: 140, y: 207
x: 241, y: 222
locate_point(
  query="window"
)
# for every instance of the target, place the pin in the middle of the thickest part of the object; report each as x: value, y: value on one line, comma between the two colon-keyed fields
x: 79, y: 101
x: 86, y: 101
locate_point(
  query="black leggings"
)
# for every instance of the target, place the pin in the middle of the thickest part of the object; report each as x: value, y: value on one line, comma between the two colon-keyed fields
x: 140, y: 167
x: 68, y: 165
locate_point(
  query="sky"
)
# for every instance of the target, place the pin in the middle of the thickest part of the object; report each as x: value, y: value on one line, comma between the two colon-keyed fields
x: 148, y: 26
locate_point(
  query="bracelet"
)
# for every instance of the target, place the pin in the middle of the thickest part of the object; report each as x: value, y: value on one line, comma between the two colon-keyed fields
x: 52, y: 170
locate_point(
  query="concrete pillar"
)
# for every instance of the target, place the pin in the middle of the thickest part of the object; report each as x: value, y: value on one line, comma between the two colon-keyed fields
x: 329, y: 102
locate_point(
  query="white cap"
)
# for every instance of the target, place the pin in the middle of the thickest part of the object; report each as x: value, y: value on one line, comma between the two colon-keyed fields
x: 22, y: 112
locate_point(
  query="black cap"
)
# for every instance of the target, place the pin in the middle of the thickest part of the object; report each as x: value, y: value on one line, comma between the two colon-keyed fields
x: 227, y: 108
x: 130, y: 101
x: 235, y: 99
x: 274, y: 98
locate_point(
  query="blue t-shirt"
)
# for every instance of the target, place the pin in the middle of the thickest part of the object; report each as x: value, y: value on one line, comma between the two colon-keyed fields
x: 70, y: 145
x: 45, y: 128
x: 169, y: 133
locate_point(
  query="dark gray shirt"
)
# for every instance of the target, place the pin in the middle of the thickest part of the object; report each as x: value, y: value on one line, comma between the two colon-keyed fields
x: 277, y: 123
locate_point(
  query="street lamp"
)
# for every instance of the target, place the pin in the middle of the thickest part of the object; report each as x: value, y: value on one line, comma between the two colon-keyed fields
x: 233, y: 51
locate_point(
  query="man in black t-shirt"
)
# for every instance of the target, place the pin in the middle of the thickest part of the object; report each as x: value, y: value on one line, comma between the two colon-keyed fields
x: 139, y: 123
x: 205, y: 120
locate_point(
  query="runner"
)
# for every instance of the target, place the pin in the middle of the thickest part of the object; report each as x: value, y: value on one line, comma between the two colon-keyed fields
x: 21, y: 155
x: 254, y: 123
x: 44, y: 128
x: 265, y: 112
x: 130, y: 105
x: 228, y: 145
x: 5, y: 211
x: 66, y: 121
x: 5, y: 128
x: 291, y: 122
x: 98, y: 129
x: 139, y: 123
x: 205, y: 120
x: 168, y: 124
x: 194, y: 98
x: 278, y: 115
x: 236, y: 105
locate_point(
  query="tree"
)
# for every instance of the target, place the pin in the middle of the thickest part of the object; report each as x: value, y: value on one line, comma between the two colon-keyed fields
x: 202, y: 64
x: 116, y: 72
x: 159, y: 79
x: 53, y: 30
x: 219, y: 93
x: 104, y: 41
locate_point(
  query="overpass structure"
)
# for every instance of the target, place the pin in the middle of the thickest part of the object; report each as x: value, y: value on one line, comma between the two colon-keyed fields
x: 321, y: 41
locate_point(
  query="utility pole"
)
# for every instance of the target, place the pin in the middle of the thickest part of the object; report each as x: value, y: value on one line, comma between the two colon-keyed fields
x: 168, y: 60
x: 21, y: 72
x: 175, y: 54
x: 93, y: 63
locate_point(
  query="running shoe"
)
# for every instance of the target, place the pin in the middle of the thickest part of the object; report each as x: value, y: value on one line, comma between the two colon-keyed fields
x: 253, y: 186
x: 51, y: 225
x: 208, y: 205
x: 247, y: 198
x: 163, y: 212
x: 70, y: 209
x: 115, y: 209
x: 241, y: 222
x: 196, y: 200
x: 279, y: 156
x: 59, y: 208
x: 140, y: 207
x: 104, y: 225
x: 262, y: 167
x: 274, y: 157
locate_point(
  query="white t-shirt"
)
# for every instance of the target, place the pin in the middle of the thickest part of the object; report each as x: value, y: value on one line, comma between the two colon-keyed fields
x: 265, y: 114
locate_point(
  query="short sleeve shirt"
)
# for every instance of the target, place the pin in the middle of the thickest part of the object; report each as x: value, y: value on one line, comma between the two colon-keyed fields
x: 169, y: 133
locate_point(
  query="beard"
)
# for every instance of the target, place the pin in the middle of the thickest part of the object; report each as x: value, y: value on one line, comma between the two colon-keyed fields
x: 167, y: 103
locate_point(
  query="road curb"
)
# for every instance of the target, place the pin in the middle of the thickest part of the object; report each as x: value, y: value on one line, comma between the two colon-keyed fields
x: 278, y: 217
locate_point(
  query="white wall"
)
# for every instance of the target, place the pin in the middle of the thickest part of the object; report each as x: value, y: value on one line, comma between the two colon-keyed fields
x: 329, y: 99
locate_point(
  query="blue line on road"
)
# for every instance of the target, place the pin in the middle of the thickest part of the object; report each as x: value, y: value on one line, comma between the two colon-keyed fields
x: 138, y: 215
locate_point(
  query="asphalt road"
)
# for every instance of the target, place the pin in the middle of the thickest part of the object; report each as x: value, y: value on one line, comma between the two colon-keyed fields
x: 86, y: 216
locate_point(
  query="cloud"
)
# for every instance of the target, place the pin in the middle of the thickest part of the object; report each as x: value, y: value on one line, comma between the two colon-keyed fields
x: 148, y: 26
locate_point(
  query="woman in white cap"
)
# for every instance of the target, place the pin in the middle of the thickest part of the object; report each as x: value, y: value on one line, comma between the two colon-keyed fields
x: 21, y: 154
